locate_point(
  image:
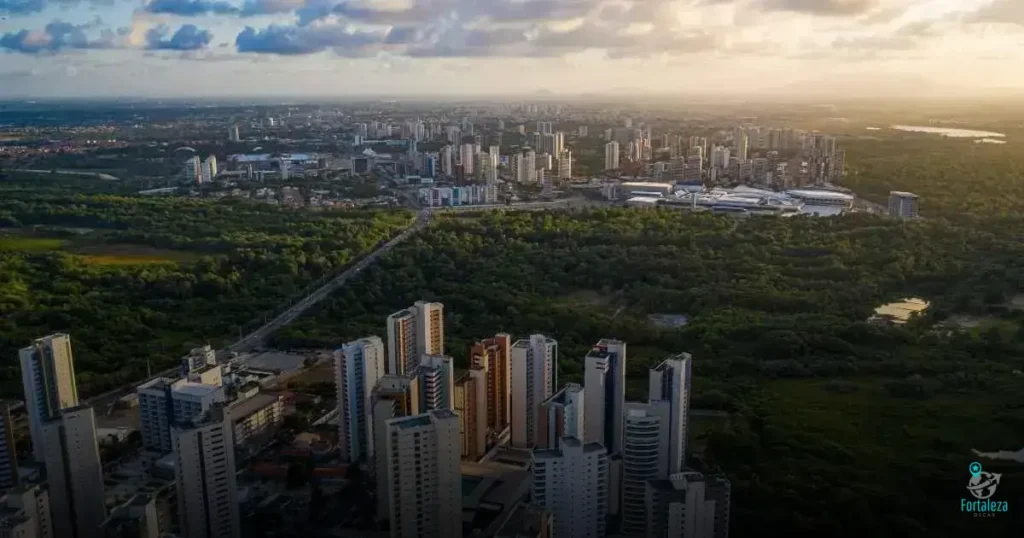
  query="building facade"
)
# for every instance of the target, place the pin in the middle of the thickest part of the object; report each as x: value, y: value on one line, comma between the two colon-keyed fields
x: 8, y: 452
x: 164, y: 403
x: 493, y: 356
x: 534, y: 368
x: 393, y: 397
x: 27, y: 513
x: 670, y: 382
x: 903, y: 204
x: 74, y: 474
x: 48, y: 377
x: 688, y: 505
x: 358, y: 366
x: 560, y: 416
x: 611, y: 155
x: 471, y: 407
x: 571, y: 483
x: 423, y: 481
x: 605, y: 388
x: 205, y: 477
x: 437, y: 382
x: 644, y: 457
x: 412, y: 333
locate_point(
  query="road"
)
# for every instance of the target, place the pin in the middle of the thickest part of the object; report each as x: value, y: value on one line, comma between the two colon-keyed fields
x: 105, y: 401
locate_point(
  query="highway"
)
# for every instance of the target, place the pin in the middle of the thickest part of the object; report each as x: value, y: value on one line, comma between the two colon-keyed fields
x: 105, y: 401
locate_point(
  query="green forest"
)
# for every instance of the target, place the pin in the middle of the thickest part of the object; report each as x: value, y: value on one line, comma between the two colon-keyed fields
x: 138, y: 281
x: 838, y: 427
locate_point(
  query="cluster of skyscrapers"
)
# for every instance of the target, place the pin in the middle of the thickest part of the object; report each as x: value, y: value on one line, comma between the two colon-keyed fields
x: 749, y: 154
x: 191, y: 424
x: 600, y: 465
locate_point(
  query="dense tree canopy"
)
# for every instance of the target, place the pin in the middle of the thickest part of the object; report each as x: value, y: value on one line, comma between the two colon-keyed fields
x: 840, y: 426
x: 244, y: 261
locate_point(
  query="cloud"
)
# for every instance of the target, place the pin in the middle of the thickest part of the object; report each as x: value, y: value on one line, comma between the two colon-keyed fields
x: 271, y: 7
x: 190, y: 8
x: 822, y: 7
x: 21, y: 7
x: 1000, y: 12
x: 298, y: 40
x: 55, y: 37
x: 186, y: 38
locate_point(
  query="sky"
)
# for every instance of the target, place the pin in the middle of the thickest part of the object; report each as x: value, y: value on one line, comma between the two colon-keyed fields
x: 307, y: 48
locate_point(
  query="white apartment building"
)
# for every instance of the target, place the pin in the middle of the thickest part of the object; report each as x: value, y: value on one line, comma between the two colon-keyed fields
x: 688, y: 505
x: 644, y: 457
x: 27, y: 513
x: 560, y: 416
x: 571, y: 482
x: 205, y: 477
x: 209, y: 169
x: 459, y: 196
x: 358, y: 366
x: 412, y: 333
x: 164, y: 403
x: 466, y: 154
x: 48, y: 377
x: 670, y: 382
x: 423, y: 481
x: 604, y: 382
x: 903, y: 204
x: 565, y: 164
x: 534, y: 378
x: 394, y: 397
x: 611, y: 155
x: 437, y: 382
x: 74, y: 474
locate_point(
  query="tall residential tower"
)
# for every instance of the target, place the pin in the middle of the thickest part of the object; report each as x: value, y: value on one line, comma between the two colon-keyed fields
x: 48, y: 377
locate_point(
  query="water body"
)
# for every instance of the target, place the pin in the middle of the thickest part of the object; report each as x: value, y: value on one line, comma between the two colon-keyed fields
x: 948, y: 131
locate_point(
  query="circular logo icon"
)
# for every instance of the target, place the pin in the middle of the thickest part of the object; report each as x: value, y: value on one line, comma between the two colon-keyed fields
x: 983, y: 485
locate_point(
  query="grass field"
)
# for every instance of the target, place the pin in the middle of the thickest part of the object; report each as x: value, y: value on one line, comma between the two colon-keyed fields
x: 92, y: 253
x: 30, y: 244
x: 130, y: 255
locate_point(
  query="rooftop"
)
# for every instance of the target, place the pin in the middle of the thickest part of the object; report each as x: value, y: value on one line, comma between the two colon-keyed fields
x: 198, y: 390
x: 559, y: 397
x: 248, y: 406
x: 903, y: 194
x: 414, y: 421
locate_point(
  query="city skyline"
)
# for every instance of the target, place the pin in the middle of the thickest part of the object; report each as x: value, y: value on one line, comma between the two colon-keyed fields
x: 441, y: 47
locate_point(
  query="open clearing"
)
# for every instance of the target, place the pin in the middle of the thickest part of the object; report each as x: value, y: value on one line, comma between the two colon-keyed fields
x: 30, y: 244
x: 130, y: 255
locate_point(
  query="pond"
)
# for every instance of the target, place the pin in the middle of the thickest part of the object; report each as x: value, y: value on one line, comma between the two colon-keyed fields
x: 948, y: 131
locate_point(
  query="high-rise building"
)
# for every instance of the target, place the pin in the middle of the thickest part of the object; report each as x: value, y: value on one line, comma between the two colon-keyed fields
x: 207, y: 492
x: 466, y: 153
x: 524, y: 166
x: 559, y: 143
x: 740, y: 141
x: 644, y: 457
x: 688, y: 505
x: 544, y: 127
x: 358, y: 365
x: 26, y: 513
x: 534, y: 378
x: 394, y: 396
x: 493, y: 356
x: 437, y: 382
x: 903, y: 204
x: 582, y: 132
x: 494, y: 157
x: 193, y: 170
x: 565, y: 164
x: 8, y: 454
x: 670, y: 382
x: 423, y: 482
x: 74, y: 473
x: 471, y: 406
x: 611, y: 155
x: 571, y: 482
x: 48, y: 377
x: 209, y: 169
x: 164, y: 403
x: 605, y: 387
x: 560, y: 416
x: 720, y: 157
x: 233, y: 134
x: 412, y: 333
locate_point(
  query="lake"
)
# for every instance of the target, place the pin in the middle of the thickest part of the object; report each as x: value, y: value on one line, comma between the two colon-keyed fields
x: 948, y: 131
